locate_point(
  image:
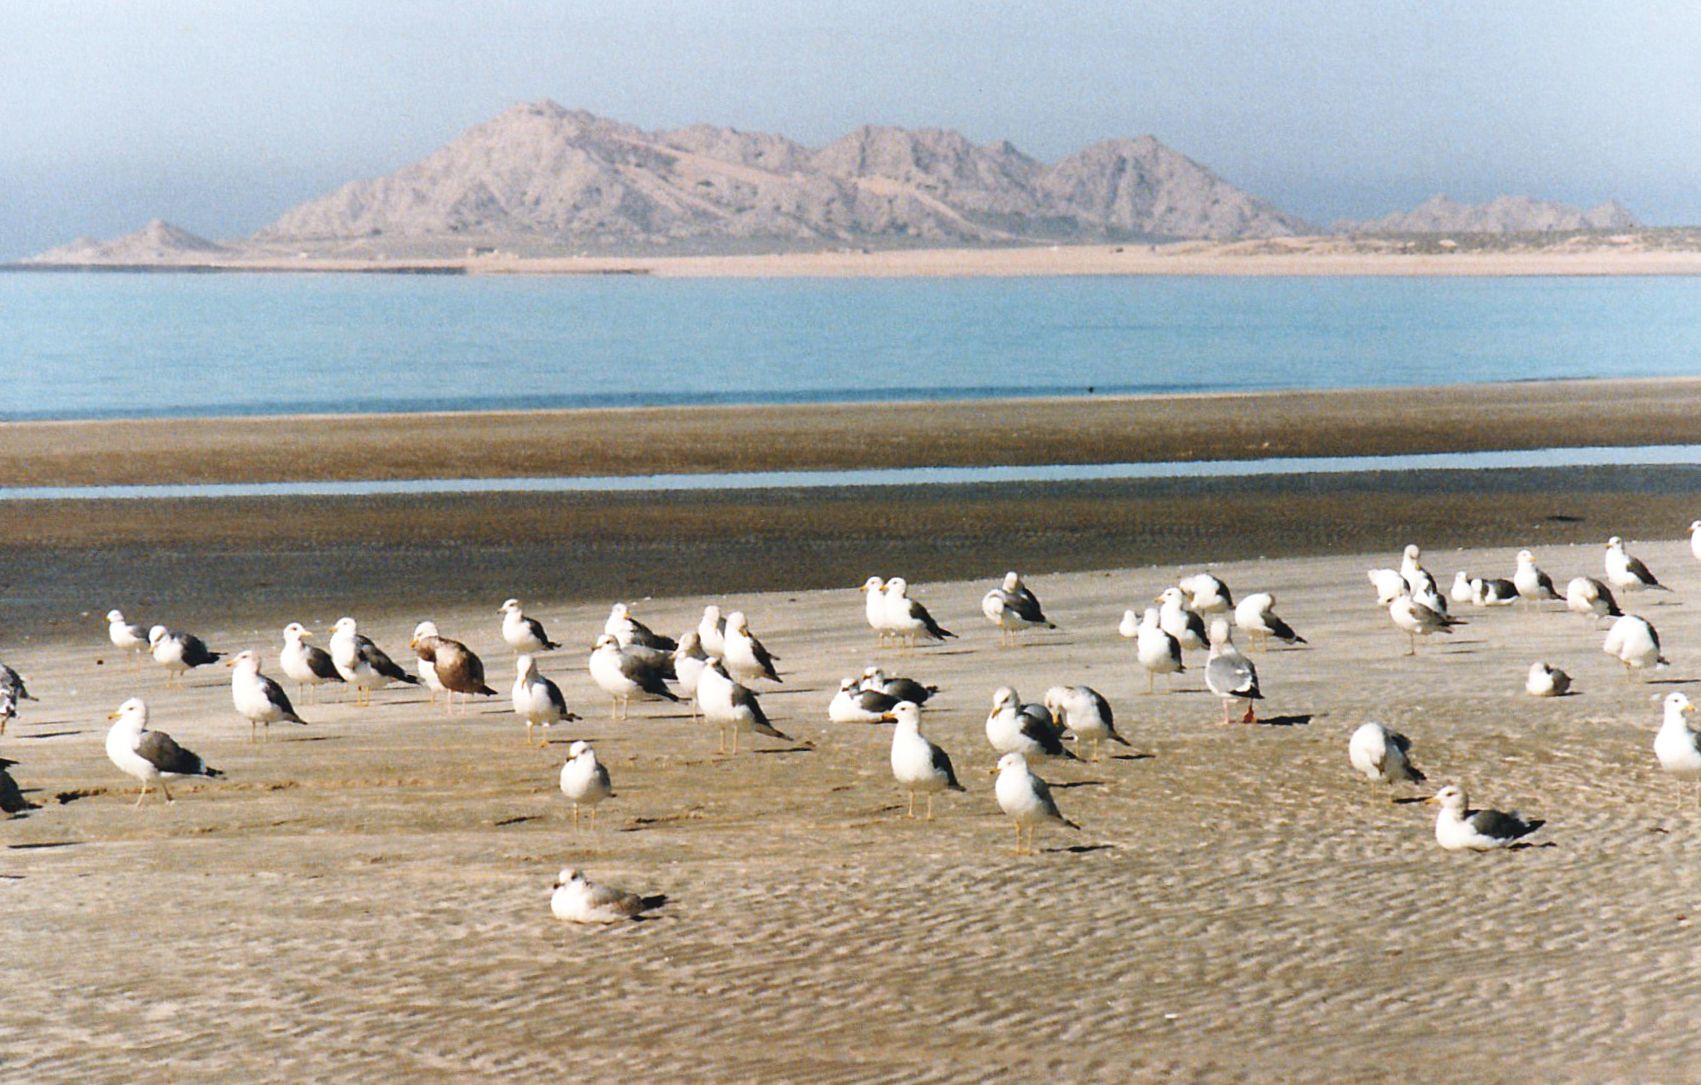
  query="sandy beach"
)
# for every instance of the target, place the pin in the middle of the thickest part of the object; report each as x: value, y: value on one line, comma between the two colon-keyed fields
x: 368, y: 897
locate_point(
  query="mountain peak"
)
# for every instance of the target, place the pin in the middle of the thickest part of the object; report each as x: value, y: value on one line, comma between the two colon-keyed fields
x: 1505, y: 214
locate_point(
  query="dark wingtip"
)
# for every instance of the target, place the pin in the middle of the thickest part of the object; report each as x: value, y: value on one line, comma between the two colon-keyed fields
x: 549, y: 645
x: 650, y: 904
x: 486, y: 691
x: 208, y: 770
x: 410, y: 679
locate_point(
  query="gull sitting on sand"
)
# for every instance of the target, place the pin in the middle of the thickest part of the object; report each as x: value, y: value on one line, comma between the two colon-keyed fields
x: 1459, y: 828
x: 1180, y: 622
x: 906, y: 617
x: 127, y: 637
x: 1027, y: 799
x: 732, y: 707
x: 1627, y: 573
x: 624, y: 674
x: 1418, y: 620
x: 1206, y: 594
x: 629, y: 631
x: 308, y: 667
x: 1461, y: 591
x: 1256, y: 616
x: 1493, y: 592
x: 1677, y: 746
x: 1382, y: 755
x: 150, y: 756
x: 1013, y: 608
x: 1590, y: 598
x: 584, y: 781
x: 917, y: 764
x: 853, y: 704
x: 1027, y: 729
x: 363, y: 664
x: 537, y: 700
x: 457, y: 667
x: 1532, y: 584
x: 521, y: 633
x: 904, y: 689
x: 1546, y: 681
x: 258, y: 699
x: 1084, y: 713
x: 577, y: 899
x: 1634, y: 642
x: 179, y: 653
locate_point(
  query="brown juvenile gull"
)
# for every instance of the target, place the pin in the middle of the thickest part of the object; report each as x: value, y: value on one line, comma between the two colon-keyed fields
x: 458, y: 667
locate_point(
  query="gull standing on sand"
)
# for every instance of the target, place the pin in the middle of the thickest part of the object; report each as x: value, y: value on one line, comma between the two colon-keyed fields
x: 179, y: 653
x: 711, y: 630
x: 1413, y: 572
x: 689, y: 659
x: 523, y: 634
x: 1085, y: 713
x: 150, y: 756
x: 629, y: 631
x: 12, y: 682
x: 457, y: 667
x: 1230, y: 675
x: 746, y: 659
x: 576, y: 899
x: 917, y: 764
x: 1634, y: 642
x: 1695, y: 538
x: 1493, y: 592
x: 624, y: 675
x: 258, y: 699
x: 1458, y: 828
x: 1677, y: 746
x: 1589, y: 597
x: 1546, y: 681
x: 1027, y: 799
x: 1156, y: 650
x: 874, y: 606
x: 904, y: 689
x: 732, y: 707
x: 584, y: 781
x: 853, y: 704
x: 1627, y: 573
x: 127, y: 637
x: 1256, y: 614
x: 8, y: 708
x: 1014, y: 727
x: 308, y: 667
x: 1206, y: 594
x: 1382, y: 755
x: 1013, y: 608
x: 1417, y: 620
x: 1532, y: 583
x: 362, y: 663
x: 1185, y: 625
x: 907, y: 618
x: 537, y: 700
x: 1389, y: 585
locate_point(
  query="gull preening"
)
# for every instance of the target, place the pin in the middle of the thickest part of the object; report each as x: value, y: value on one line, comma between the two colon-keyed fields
x: 1627, y: 573
x: 629, y: 631
x: 302, y: 663
x: 179, y: 653
x: 1382, y: 755
x: 577, y: 899
x: 1206, y: 594
x: 1677, y: 746
x: 1459, y: 828
x: 1185, y: 625
x: 150, y: 756
x: 689, y: 659
x: 854, y: 704
x: 1013, y: 608
x: 524, y: 635
x: 1634, y: 642
x: 1389, y: 585
x: 1084, y: 713
x: 127, y: 637
x: 917, y: 764
x: 1532, y: 583
x: 624, y: 674
x: 1230, y: 675
x: 732, y: 706
x: 1545, y: 681
x: 1027, y: 799
x: 711, y: 629
x: 537, y: 700
x: 585, y: 782
x: 745, y: 658
x: 1157, y: 651
x: 1256, y: 615
x: 363, y: 664
x: 258, y: 699
x: 1014, y: 727
x: 1592, y: 599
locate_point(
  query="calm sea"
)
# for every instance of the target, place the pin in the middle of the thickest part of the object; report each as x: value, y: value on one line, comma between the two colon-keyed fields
x: 125, y: 345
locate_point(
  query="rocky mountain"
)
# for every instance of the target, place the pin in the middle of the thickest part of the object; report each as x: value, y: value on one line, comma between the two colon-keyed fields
x: 1502, y: 215
x: 159, y: 242
x: 541, y: 178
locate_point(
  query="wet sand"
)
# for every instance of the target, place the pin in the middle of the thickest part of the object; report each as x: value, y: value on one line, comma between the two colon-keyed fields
x: 367, y: 898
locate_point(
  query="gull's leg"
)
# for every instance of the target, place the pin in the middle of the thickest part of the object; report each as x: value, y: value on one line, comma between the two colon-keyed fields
x: 166, y: 791
x: 929, y: 804
x: 575, y: 817
x: 1413, y: 638
x: 143, y: 795
x: 735, y: 738
x: 593, y: 816
x: 911, y: 812
x: 1151, y: 683
x: 1018, y: 850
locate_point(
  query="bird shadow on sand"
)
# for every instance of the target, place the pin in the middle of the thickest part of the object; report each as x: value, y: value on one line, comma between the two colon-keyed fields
x: 50, y: 734
x: 803, y: 747
x: 1524, y: 845
x: 45, y: 844
x: 311, y: 738
x: 1299, y: 720
x: 518, y: 819
x: 1667, y: 682
x: 1065, y: 785
x: 1079, y: 849
x: 1132, y: 756
x: 1410, y: 800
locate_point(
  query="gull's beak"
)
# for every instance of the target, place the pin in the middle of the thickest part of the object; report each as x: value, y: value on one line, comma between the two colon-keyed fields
x: 993, y: 771
x: 890, y: 718
x: 863, y: 589
x: 1432, y: 801
x: 230, y: 663
x: 113, y: 715
x: 1689, y: 709
x: 307, y: 634
x: 414, y: 643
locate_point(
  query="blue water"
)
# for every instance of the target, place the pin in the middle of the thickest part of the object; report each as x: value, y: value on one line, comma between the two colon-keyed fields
x: 136, y: 345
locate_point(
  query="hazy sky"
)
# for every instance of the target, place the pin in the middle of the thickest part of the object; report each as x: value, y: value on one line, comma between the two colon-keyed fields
x: 219, y: 115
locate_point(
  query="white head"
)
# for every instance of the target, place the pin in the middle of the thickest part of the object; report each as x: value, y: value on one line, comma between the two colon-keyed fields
x: 1615, y: 543
x: 873, y: 583
x: 569, y: 875
x: 424, y: 630
x: 619, y: 612
x: 345, y: 625
x: 1012, y: 581
x: 1053, y: 700
x: 1537, y: 668
x: 907, y: 715
x: 1220, y: 632
x: 1451, y: 798
x: 510, y: 605
x: 295, y: 633
x: 579, y: 749
x: 1172, y: 597
x: 736, y: 622
x: 874, y: 676
x: 712, y: 613
x: 116, y: 616
x: 847, y: 685
x: 1525, y: 557
x: 1462, y: 577
x: 690, y: 642
x: 156, y: 634
x: 1694, y: 526
x: 897, y: 586
x: 607, y: 642
x: 1678, y: 705
x: 247, y: 659
x: 1003, y: 697
x: 132, y: 713
x: 1150, y: 617
x: 1013, y: 761
x: 1412, y: 552
x: 524, y: 665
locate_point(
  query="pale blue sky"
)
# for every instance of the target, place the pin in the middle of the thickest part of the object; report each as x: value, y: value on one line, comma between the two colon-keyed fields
x: 218, y: 116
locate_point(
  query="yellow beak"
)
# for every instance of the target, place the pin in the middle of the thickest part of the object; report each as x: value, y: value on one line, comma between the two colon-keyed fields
x: 1689, y: 709
x: 113, y: 715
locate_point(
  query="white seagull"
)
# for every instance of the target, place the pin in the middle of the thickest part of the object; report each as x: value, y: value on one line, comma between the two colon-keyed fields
x: 1206, y: 594
x: 1014, y: 727
x: 906, y: 617
x: 127, y: 637
x: 1627, y: 573
x: 150, y: 756
x: 1531, y: 582
x: 576, y: 899
x: 1230, y: 675
x: 308, y: 667
x: 1382, y: 755
x: 1590, y: 598
x: 1417, y: 620
x: 711, y: 629
x: 179, y: 653
x: 1458, y: 828
x: 1256, y: 615
x: 731, y: 706
x: 1636, y: 644
x: 521, y: 633
x: 1027, y: 799
x: 623, y: 675
x: 584, y: 781
x: 1085, y: 713
x: 1185, y: 625
x: 258, y: 699
x: 1677, y: 746
x: 363, y: 664
x: 917, y: 764
x: 1156, y: 650
x: 745, y: 658
x: 1546, y: 681
x: 1013, y: 608
x: 853, y: 704
x: 537, y: 700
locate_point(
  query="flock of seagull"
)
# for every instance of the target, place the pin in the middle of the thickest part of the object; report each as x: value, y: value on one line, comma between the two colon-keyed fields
x: 717, y: 667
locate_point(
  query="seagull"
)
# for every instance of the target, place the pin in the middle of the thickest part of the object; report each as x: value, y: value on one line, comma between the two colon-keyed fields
x: 918, y: 764
x: 1493, y: 592
x: 904, y: 689
x: 623, y: 675
x: 745, y: 657
x: 258, y: 699
x: 1206, y: 594
x: 1413, y: 572
x: 1013, y: 608
x: 1389, y: 585
x: 1382, y: 755
x: 907, y: 618
x: 1027, y: 799
x: 12, y: 799
x: 1230, y: 675
x: 1695, y: 538
x: 711, y: 630
x: 629, y: 630
x: 149, y: 756
x: 689, y: 659
x: 1417, y: 620
x: 362, y: 663
x: 732, y: 707
x: 457, y: 667
x: 12, y: 682
x: 1156, y: 650
x: 1677, y: 746
x: 1012, y: 726
x: 874, y: 605
x: 179, y: 653
x: 1458, y: 828
x: 1546, y: 681
x: 523, y: 634
x: 1634, y: 643
x: 1627, y: 573
x: 584, y: 781
x: 1256, y: 614
x: 1531, y: 582
x: 1129, y: 626
x: 579, y: 900
x: 1461, y: 591
x: 308, y: 667
x: 1589, y: 597
x: 127, y: 637
x: 1085, y: 713
x: 853, y: 704
x: 8, y: 708
x: 1185, y: 625
x: 537, y: 700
